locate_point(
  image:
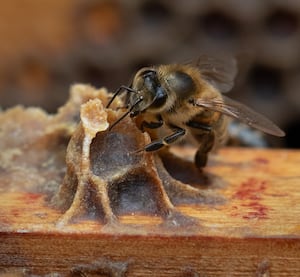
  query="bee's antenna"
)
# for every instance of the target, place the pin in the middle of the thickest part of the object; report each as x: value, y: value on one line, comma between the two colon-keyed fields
x: 121, y: 88
x: 125, y: 114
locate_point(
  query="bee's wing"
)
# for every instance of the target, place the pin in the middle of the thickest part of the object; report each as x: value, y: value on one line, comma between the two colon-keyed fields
x: 241, y: 112
x: 218, y: 71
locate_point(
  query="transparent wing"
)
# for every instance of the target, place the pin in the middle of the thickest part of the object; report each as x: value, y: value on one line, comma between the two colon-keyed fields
x: 220, y: 72
x: 241, y: 112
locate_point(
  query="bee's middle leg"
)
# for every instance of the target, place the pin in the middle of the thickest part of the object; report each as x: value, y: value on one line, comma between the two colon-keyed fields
x: 157, y: 144
x: 152, y: 124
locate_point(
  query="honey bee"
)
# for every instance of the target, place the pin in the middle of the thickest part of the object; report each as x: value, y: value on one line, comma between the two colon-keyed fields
x: 187, y: 101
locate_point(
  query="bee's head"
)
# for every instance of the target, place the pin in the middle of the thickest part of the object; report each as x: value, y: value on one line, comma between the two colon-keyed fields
x: 145, y: 93
x: 148, y: 88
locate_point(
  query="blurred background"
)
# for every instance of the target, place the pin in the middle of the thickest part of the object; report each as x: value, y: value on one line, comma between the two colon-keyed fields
x: 48, y: 45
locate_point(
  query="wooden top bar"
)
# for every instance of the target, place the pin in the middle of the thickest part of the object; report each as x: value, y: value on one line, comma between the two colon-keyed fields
x: 255, y: 231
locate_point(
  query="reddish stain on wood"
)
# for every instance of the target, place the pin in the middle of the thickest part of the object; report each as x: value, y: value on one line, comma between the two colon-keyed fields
x: 261, y: 160
x: 251, y: 189
x: 15, y: 212
x: 251, y: 193
x: 30, y: 197
x: 257, y: 210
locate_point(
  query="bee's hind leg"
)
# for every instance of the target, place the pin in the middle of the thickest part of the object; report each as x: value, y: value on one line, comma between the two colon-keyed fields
x: 201, y: 159
x: 157, y: 144
x: 207, y: 143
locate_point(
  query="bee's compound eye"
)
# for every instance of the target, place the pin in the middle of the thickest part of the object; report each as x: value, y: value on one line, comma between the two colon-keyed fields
x: 148, y: 73
x: 181, y: 83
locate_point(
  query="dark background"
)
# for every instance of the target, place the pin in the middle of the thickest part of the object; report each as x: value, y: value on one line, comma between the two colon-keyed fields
x: 48, y: 45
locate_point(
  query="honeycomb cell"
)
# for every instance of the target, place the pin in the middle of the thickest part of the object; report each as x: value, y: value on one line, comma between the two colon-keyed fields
x: 282, y: 23
x: 218, y: 25
x: 155, y: 12
x: 107, y: 176
x: 99, y: 21
x: 266, y: 82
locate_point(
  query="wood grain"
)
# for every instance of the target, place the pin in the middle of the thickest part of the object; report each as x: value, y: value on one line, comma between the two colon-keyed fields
x: 256, y: 232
